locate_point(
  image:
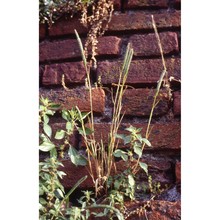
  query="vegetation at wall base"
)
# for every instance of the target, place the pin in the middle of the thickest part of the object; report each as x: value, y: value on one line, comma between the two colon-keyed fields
x: 117, y: 188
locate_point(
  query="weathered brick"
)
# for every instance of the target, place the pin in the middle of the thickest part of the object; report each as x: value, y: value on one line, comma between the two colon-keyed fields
x: 177, y: 103
x: 138, y: 102
x: 178, y: 172
x: 67, y: 26
x: 162, y: 136
x: 73, y: 174
x: 147, y: 45
x: 155, y: 210
x: 135, y: 20
x: 76, y: 97
x: 66, y: 49
x: 141, y: 20
x: 141, y: 3
x: 42, y: 31
x: 74, y: 73
x: 140, y: 71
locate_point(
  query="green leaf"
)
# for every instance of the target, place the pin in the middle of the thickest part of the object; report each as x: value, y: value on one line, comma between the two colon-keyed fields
x: 42, y: 201
x: 53, y: 153
x: 47, y: 130
x: 138, y: 150
x: 88, y: 131
x: 66, y: 115
x: 76, y: 158
x: 54, y: 106
x: 125, y: 138
x: 117, y: 184
x: 131, y: 129
x: 59, y: 194
x: 138, y: 136
x: 84, y: 115
x: 69, y: 126
x: 131, y: 180
x: 60, y: 174
x: 146, y: 142
x: 44, y: 138
x: 144, y: 167
x: 50, y: 112
x: 100, y: 214
x: 60, y: 134
x: 46, y: 119
x: 122, y: 154
x: 46, y: 146
x: 120, y: 136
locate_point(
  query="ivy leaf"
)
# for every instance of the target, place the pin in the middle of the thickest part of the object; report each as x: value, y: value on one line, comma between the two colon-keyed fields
x: 60, y: 134
x: 144, y: 167
x: 138, y: 150
x: 76, y: 158
x: 46, y: 146
x: 47, y: 130
x: 146, y: 142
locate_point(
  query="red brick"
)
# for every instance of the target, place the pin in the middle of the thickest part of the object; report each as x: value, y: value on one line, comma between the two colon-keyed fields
x: 73, y: 174
x: 177, y: 103
x: 147, y: 45
x: 178, y: 172
x: 42, y: 31
x: 166, y: 136
x: 140, y: 4
x: 141, y: 20
x: 135, y: 20
x: 74, y: 73
x: 67, y: 26
x: 76, y: 97
x: 66, y: 49
x: 155, y: 210
x: 140, y: 71
x: 162, y: 136
x: 138, y: 102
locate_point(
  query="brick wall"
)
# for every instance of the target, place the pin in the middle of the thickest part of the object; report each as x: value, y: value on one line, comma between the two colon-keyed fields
x: 59, y: 54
